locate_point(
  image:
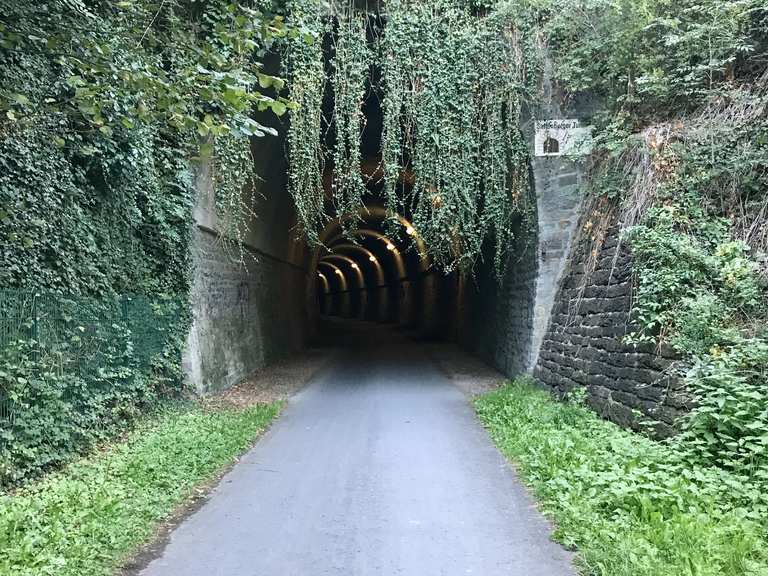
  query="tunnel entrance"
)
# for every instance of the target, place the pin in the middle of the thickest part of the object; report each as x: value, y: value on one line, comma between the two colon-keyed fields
x: 375, y: 264
x: 378, y: 273
x: 372, y: 265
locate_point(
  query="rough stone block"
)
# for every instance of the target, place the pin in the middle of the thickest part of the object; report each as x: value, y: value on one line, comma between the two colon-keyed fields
x: 590, y: 317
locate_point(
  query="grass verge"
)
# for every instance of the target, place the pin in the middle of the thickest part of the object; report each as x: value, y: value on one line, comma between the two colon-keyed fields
x: 630, y: 506
x: 86, y: 519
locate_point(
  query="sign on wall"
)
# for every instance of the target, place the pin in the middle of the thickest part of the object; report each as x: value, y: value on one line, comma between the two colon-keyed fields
x: 562, y: 138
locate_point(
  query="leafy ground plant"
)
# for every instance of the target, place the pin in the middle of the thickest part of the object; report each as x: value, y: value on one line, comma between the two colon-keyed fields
x: 629, y: 505
x: 86, y: 519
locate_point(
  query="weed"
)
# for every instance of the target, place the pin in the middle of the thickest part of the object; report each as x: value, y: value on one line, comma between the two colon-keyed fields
x: 84, y: 520
x: 630, y: 506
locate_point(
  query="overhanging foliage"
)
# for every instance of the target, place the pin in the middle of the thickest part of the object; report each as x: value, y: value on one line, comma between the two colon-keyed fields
x: 450, y: 83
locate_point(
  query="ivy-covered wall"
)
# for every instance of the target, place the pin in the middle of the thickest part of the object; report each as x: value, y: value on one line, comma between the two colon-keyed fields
x: 102, y: 107
x: 85, y: 237
x: 100, y: 222
x: 90, y: 225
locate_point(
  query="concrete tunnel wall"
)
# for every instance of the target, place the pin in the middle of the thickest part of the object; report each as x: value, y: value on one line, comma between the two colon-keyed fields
x: 249, y: 314
x: 496, y: 318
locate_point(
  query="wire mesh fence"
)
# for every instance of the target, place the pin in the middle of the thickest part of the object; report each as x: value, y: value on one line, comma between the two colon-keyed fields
x: 94, y: 339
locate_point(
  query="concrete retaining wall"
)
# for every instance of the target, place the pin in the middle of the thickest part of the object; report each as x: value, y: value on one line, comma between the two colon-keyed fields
x: 249, y: 312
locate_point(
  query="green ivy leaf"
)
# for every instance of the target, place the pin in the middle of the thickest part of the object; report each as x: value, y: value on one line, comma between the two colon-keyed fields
x: 21, y: 100
x: 278, y: 107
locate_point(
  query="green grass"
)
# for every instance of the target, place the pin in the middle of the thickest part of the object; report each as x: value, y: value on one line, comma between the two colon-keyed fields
x: 629, y: 505
x: 86, y: 519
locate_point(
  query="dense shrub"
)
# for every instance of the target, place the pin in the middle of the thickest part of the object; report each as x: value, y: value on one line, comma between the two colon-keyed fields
x: 699, y: 255
x: 654, y: 58
x: 80, y: 370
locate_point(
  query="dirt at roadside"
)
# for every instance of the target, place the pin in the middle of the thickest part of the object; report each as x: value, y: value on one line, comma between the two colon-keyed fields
x: 469, y: 373
x: 277, y: 382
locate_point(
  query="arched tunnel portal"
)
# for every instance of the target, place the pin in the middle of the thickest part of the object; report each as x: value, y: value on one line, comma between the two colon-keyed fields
x: 278, y: 301
x: 266, y: 297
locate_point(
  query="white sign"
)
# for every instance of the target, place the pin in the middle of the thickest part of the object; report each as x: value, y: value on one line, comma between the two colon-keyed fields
x: 562, y: 138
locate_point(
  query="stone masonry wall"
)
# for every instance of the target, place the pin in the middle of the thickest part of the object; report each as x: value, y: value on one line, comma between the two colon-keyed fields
x: 557, y: 183
x: 250, y: 301
x: 496, y: 320
x: 583, y: 346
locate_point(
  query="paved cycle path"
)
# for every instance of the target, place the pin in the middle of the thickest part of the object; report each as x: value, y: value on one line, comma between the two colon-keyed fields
x: 378, y: 467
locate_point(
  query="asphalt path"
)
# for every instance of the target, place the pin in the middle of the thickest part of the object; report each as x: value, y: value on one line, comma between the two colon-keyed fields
x: 378, y: 467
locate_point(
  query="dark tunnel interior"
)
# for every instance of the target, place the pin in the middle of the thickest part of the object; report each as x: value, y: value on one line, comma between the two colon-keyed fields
x: 379, y: 273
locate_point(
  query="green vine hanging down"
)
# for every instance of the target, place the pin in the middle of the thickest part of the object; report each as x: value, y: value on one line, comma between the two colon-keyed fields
x: 311, y: 132
x: 306, y: 80
x: 351, y: 64
x: 451, y: 114
x: 451, y: 83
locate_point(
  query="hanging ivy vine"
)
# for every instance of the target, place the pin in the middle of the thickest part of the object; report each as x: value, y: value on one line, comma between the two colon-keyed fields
x: 451, y: 85
x: 305, y: 70
x: 235, y: 192
x: 350, y: 65
x: 451, y: 115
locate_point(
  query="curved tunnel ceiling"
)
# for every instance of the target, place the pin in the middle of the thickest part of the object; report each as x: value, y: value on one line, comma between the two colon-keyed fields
x: 373, y: 218
x: 353, y: 265
x: 338, y: 275
x: 385, y: 268
x: 381, y: 246
x: 369, y: 259
x: 324, y: 282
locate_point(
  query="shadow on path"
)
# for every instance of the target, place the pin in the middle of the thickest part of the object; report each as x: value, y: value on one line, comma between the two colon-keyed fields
x: 378, y: 467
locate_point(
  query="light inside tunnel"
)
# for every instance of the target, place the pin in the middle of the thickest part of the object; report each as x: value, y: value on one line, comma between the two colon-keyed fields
x: 324, y: 281
x: 383, y: 280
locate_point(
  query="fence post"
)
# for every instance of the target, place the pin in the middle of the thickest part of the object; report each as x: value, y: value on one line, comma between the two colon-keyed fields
x: 35, y: 328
